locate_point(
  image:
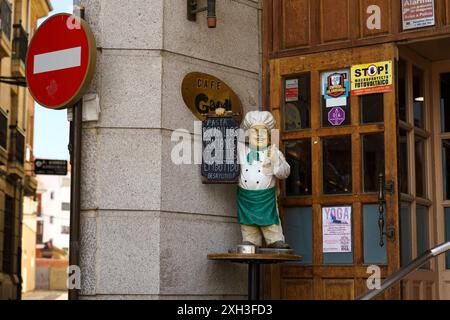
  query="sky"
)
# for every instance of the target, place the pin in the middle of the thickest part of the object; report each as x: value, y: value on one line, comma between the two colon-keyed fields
x: 51, y: 128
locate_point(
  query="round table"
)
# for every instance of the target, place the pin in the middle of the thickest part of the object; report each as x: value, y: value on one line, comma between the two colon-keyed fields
x: 254, y: 261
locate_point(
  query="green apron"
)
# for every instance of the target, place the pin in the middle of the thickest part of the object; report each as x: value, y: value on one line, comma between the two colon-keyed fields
x: 257, y: 207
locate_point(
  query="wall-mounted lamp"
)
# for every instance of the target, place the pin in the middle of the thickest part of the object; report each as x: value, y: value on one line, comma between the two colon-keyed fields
x: 192, y: 10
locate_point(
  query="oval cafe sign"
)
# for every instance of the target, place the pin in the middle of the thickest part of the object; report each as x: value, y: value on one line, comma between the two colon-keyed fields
x: 204, y: 93
x: 61, y: 61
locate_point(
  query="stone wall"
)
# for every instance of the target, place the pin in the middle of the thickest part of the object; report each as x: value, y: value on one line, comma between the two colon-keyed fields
x: 147, y: 224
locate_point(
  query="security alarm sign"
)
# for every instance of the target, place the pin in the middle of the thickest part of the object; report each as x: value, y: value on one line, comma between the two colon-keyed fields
x: 371, y: 78
x: 418, y: 14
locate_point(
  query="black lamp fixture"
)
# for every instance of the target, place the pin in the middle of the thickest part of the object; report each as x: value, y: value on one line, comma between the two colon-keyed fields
x: 192, y: 10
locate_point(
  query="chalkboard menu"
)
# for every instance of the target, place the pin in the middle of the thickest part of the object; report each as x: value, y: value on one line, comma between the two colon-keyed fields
x: 220, y: 158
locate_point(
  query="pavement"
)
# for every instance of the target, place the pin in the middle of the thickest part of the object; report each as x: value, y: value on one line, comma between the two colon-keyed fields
x: 45, y: 295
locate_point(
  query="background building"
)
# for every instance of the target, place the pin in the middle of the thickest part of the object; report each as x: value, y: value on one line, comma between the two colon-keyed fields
x: 54, y: 217
x: 17, y: 184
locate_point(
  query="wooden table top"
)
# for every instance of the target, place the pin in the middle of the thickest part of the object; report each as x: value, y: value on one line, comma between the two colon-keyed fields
x: 257, y: 258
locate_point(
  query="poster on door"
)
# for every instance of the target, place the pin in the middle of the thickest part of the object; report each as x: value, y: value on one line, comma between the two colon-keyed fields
x: 375, y: 77
x: 336, y: 88
x: 418, y: 14
x: 337, y: 229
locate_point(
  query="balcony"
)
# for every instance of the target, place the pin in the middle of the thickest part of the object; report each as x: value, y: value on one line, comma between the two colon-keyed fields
x: 5, y: 25
x: 19, y: 51
x: 16, y: 153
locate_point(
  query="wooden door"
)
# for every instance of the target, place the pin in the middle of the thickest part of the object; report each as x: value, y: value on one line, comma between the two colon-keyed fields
x: 334, y: 166
x: 417, y: 187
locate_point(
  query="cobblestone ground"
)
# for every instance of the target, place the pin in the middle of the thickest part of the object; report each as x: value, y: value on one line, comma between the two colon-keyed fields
x: 45, y: 295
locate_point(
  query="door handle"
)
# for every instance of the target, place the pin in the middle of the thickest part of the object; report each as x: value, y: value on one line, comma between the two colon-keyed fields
x: 382, y: 188
x: 381, y: 201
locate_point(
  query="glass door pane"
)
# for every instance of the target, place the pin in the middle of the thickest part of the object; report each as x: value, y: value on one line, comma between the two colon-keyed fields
x: 298, y: 155
x: 405, y: 233
x: 337, y: 165
x: 446, y: 168
x: 373, y: 160
x: 297, y: 103
x: 373, y: 252
x: 419, y: 97
x: 403, y: 162
x: 422, y: 230
x: 420, y: 168
x: 445, y: 102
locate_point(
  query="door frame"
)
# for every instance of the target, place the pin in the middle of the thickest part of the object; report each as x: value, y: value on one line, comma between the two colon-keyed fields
x: 277, y: 276
x: 424, y: 283
x: 444, y: 273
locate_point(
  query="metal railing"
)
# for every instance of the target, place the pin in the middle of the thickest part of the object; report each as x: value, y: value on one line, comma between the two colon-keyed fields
x: 5, y: 17
x: 20, y: 43
x: 405, y: 271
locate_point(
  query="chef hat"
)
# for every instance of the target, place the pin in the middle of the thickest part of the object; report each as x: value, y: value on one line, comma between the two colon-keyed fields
x: 258, y: 118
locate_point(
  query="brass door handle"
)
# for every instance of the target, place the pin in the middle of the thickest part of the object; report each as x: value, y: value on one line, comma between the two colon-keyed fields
x: 381, y: 202
x: 390, y: 230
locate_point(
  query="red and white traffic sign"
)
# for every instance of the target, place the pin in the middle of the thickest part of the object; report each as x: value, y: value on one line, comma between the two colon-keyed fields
x: 61, y: 61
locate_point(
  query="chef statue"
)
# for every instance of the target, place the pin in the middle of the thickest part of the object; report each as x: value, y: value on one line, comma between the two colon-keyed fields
x: 261, y: 164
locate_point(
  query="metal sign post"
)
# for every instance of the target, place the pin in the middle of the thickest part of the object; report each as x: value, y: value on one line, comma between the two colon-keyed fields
x: 58, y: 74
x: 75, y: 160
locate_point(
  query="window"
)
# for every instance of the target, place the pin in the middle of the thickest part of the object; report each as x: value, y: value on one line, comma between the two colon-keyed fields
x: 8, y: 234
x: 52, y: 195
x: 297, y: 103
x: 40, y: 232
x: 65, y: 182
x: 65, y: 230
x: 65, y: 206
x: 3, y: 130
x: 20, y: 147
x: 52, y: 218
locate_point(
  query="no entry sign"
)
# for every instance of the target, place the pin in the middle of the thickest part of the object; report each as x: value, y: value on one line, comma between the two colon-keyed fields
x: 61, y: 61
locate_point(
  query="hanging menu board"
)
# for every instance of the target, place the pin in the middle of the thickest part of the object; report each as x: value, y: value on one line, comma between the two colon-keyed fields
x: 220, y: 158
